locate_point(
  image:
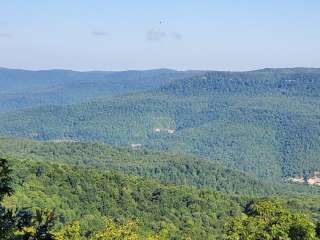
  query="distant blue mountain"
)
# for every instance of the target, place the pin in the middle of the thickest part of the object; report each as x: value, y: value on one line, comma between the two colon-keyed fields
x: 265, y: 123
x: 23, y: 89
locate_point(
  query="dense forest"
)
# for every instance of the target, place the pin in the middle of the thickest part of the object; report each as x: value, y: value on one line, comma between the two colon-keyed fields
x: 168, y: 168
x: 159, y: 155
x: 265, y: 123
x: 159, y: 120
x: 22, y: 89
x: 86, y: 200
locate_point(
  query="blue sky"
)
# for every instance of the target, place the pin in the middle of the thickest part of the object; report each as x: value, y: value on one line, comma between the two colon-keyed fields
x: 179, y: 34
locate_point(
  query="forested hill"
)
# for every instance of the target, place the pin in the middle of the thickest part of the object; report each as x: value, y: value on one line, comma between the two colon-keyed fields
x: 293, y: 82
x: 22, y: 88
x: 90, y: 196
x: 265, y: 123
x: 86, y: 196
x: 168, y: 168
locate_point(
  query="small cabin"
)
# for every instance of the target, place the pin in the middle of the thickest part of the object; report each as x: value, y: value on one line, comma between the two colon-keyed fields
x: 136, y: 146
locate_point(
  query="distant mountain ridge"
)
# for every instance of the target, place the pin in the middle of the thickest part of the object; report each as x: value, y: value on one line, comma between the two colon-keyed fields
x: 265, y: 122
x: 302, y: 81
x: 24, y: 89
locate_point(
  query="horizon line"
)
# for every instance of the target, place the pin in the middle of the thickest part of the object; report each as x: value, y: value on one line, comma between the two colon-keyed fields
x: 151, y: 69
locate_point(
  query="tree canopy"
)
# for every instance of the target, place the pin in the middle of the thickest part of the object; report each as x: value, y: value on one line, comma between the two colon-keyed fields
x: 270, y: 221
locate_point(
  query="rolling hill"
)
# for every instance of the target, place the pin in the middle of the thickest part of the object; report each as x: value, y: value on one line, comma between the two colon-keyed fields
x: 89, y: 194
x: 168, y: 168
x: 265, y: 123
x: 23, y: 88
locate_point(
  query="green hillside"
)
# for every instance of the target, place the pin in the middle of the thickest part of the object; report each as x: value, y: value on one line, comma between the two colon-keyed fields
x: 89, y: 195
x: 168, y: 168
x: 264, y: 123
x: 24, y: 89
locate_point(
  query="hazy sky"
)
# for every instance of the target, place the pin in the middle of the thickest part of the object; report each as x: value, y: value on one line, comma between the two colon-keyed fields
x: 143, y: 34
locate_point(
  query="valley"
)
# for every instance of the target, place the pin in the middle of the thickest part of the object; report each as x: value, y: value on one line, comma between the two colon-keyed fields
x: 159, y: 120
x: 265, y: 123
x: 181, y: 156
x: 87, y: 182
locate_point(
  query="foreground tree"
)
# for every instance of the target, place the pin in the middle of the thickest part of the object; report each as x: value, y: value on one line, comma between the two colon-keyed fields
x: 70, y: 231
x: 7, y: 220
x: 128, y: 231
x: 21, y: 224
x: 269, y: 220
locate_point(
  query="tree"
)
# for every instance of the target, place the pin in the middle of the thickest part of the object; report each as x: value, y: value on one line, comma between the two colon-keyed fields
x: 5, y: 179
x: 21, y: 224
x: 128, y: 231
x: 270, y: 221
x: 318, y: 230
x: 7, y: 220
x: 36, y: 227
x: 71, y: 231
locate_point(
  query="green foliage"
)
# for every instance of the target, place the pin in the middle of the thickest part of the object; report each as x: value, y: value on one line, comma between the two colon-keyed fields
x: 116, y: 231
x: 24, y: 89
x: 70, y: 231
x: 265, y: 123
x: 269, y: 220
x: 78, y: 193
x: 7, y: 220
x: 7, y: 224
x: 83, y: 197
x: 168, y: 168
x: 5, y: 179
x: 39, y: 228
x: 21, y: 224
x: 112, y: 231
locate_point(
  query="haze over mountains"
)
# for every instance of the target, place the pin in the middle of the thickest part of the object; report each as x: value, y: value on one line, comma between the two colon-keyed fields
x: 23, y: 88
x: 193, y: 134
x: 180, y: 152
x: 264, y: 122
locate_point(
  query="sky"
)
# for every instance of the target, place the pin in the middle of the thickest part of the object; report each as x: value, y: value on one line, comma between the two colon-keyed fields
x: 144, y: 34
